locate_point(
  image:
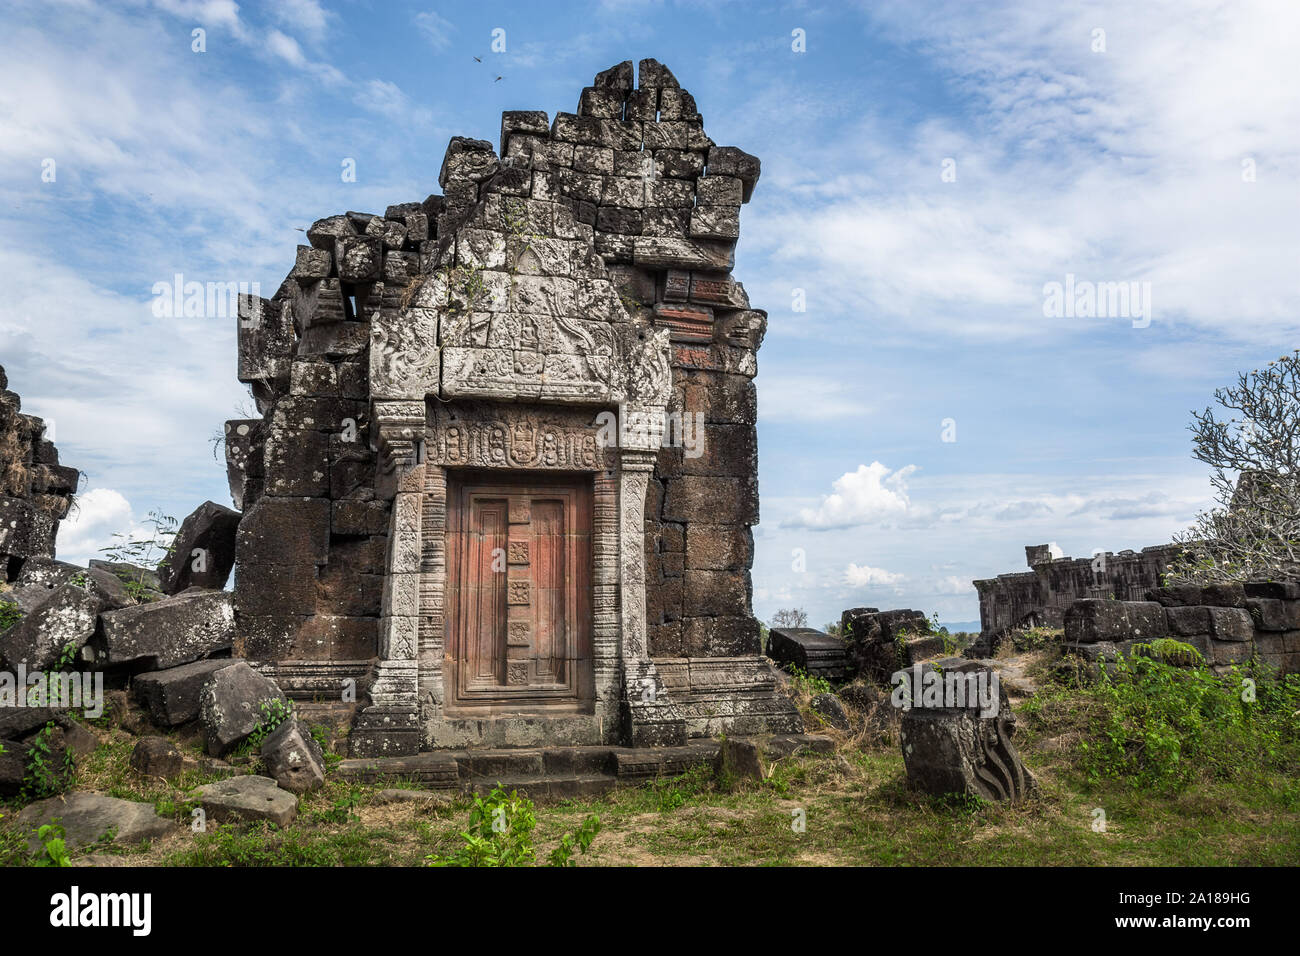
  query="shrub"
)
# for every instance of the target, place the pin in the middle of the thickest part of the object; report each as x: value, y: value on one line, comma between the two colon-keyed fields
x: 1156, y: 726
x: 501, y: 834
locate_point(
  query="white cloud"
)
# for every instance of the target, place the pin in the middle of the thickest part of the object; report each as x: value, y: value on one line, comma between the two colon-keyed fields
x: 95, y: 518
x: 286, y: 48
x: 436, y: 29
x: 1067, y: 161
x: 306, y: 16
x: 871, y: 493
x: 807, y: 398
x: 868, y: 577
x: 387, y: 99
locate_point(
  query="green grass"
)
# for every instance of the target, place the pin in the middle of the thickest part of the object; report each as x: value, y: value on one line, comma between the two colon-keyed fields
x: 1228, y: 794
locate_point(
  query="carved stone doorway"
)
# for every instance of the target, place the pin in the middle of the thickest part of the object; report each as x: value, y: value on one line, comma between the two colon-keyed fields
x: 519, y: 593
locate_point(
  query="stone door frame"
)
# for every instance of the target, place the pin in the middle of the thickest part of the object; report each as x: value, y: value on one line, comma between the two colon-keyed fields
x: 418, y: 448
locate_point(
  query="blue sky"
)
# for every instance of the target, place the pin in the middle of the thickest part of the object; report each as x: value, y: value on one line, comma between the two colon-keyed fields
x: 1164, y: 150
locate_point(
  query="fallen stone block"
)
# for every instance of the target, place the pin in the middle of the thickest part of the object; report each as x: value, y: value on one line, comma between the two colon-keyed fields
x: 203, y: 551
x: 956, y: 750
x: 814, y: 652
x: 230, y: 706
x: 140, y: 582
x: 64, y: 620
x: 90, y: 817
x: 157, y: 757
x: 247, y: 799
x: 172, y: 696
x: 180, y: 629
x: 294, y: 758
x: 16, y: 722
x: 741, y: 759
x: 829, y: 708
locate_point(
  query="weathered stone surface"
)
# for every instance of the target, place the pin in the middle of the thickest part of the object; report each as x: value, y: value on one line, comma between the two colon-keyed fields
x: 528, y: 292
x: 247, y: 799
x: 17, y: 722
x: 1285, y: 590
x: 733, y: 162
x: 1231, y: 624
x: 952, y: 750
x: 814, y: 652
x: 829, y: 708
x: 90, y: 817
x: 230, y: 706
x: 1093, y: 619
x: 74, y: 736
x: 294, y: 758
x: 177, y: 630
x: 1040, y: 597
x: 739, y: 759
x: 13, y: 767
x: 203, y: 551
x: 156, y: 757
x: 133, y: 576
x: 879, y: 643
x: 1225, y: 594
x: 66, y: 619
x: 172, y: 695
x: 46, y: 574
x: 35, y: 490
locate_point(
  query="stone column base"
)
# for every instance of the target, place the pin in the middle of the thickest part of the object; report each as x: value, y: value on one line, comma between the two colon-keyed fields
x: 390, y: 726
x: 650, y: 719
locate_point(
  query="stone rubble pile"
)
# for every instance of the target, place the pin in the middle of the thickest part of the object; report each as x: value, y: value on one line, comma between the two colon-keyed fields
x: 35, y: 490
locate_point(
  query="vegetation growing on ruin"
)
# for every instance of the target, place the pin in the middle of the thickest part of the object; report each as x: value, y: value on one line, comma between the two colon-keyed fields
x: 144, y: 553
x: 9, y: 615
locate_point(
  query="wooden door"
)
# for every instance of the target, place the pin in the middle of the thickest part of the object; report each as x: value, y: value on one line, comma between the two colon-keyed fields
x: 518, y: 593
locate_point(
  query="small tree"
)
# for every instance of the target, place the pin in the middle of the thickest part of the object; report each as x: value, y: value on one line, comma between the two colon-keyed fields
x: 1253, y: 447
x: 790, y: 617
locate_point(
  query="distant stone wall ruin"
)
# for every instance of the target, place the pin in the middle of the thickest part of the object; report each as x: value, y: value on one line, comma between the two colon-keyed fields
x: 1040, y: 597
x: 36, y: 492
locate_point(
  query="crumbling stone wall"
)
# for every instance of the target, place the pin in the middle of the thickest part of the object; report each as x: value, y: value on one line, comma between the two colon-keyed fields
x: 618, y: 219
x: 1227, y: 623
x: 1039, y: 598
x: 35, y: 490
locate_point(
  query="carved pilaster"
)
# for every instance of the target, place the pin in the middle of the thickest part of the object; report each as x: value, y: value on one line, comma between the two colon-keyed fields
x: 389, y: 726
x: 651, y: 719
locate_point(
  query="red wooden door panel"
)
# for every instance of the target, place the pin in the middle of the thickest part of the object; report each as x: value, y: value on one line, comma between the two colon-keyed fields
x: 518, y: 593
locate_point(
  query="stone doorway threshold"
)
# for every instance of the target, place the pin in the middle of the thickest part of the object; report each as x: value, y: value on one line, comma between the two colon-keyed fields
x: 559, y: 773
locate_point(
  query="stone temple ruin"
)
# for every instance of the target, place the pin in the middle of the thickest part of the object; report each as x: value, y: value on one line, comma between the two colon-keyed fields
x: 1040, y: 597
x: 507, y: 466
x: 35, y: 490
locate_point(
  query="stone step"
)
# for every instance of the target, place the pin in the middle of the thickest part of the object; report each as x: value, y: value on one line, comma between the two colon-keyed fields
x: 558, y: 772
x: 567, y: 787
x: 435, y: 771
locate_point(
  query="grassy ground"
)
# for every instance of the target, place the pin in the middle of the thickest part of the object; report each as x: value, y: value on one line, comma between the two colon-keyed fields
x: 854, y: 803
